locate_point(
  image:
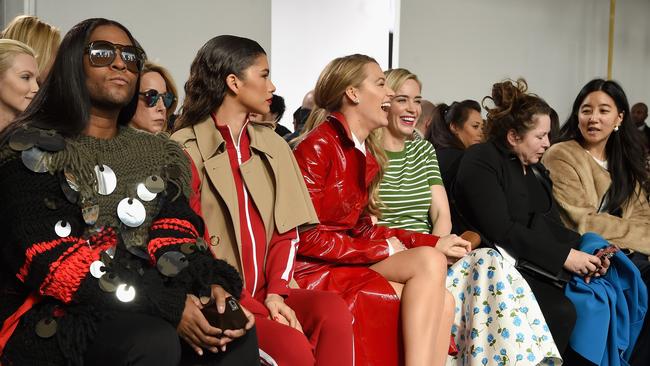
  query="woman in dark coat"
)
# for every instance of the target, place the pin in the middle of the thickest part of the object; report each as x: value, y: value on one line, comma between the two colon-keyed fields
x: 503, y: 191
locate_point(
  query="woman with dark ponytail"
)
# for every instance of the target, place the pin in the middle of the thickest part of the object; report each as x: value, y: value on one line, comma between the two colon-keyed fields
x: 453, y: 129
x: 600, y: 180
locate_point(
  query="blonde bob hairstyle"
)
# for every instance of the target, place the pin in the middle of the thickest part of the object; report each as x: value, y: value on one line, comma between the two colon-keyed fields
x: 43, y: 38
x: 169, y: 82
x: 338, y: 75
x: 395, y: 78
x: 8, y: 50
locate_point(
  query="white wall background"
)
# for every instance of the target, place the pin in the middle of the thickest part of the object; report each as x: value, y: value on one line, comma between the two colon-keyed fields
x: 307, y: 34
x: 632, y: 49
x: 460, y: 48
x: 171, y: 32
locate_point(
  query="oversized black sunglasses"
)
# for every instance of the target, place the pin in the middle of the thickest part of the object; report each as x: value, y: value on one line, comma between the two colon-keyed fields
x: 151, y: 98
x: 103, y: 53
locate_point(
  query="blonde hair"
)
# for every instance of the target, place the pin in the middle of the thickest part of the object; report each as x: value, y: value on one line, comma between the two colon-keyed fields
x: 338, y: 75
x: 169, y: 82
x: 42, y: 37
x: 8, y: 50
x: 395, y: 78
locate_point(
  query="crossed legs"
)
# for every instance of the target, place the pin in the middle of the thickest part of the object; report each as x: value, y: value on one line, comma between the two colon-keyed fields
x: 418, y: 276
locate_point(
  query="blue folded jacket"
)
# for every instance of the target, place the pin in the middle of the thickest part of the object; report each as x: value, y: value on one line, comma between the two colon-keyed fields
x: 610, y: 309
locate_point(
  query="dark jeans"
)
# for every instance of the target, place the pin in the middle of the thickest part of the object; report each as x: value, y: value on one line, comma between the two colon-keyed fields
x: 142, y: 340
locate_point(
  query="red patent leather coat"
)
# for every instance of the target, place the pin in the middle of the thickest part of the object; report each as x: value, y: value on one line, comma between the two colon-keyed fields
x: 335, y: 254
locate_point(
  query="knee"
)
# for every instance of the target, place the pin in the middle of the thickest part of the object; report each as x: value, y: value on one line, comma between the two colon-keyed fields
x: 156, y: 342
x: 290, y: 348
x: 432, y: 261
x: 331, y: 308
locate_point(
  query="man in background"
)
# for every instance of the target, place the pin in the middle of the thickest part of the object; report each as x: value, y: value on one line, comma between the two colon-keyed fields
x: 639, y: 113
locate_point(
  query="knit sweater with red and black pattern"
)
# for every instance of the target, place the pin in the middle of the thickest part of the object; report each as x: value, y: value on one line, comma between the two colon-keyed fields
x: 48, y: 245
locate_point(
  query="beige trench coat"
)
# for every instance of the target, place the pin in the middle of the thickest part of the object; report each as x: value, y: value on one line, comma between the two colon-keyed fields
x: 271, y: 176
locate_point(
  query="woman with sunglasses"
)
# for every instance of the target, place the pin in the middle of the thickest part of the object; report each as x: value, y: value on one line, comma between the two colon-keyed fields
x: 253, y: 199
x: 157, y: 100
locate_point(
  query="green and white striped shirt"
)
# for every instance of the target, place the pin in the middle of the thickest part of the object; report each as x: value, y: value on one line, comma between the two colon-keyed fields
x: 405, y: 190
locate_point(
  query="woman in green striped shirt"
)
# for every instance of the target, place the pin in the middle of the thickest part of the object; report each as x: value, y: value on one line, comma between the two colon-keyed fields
x: 411, y: 188
x: 497, y: 320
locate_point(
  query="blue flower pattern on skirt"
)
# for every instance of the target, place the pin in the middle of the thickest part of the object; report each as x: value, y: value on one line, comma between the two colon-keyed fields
x: 497, y: 319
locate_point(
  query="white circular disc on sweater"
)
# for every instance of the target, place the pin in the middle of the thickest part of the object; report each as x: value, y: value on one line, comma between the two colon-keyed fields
x: 62, y: 229
x: 125, y: 293
x: 145, y: 194
x: 106, y: 179
x: 97, y: 269
x: 131, y: 212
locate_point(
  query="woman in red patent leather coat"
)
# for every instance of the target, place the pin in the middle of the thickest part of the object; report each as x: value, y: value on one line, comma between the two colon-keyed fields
x: 369, y: 265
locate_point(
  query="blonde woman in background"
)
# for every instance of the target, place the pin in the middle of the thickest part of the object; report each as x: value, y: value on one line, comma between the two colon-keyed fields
x: 157, y: 99
x: 42, y: 37
x: 18, y: 73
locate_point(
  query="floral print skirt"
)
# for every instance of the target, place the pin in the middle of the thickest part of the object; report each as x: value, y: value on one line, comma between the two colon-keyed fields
x: 497, y: 320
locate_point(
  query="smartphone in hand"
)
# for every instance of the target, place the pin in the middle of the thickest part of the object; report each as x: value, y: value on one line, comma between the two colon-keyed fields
x: 232, y: 318
x: 607, y: 252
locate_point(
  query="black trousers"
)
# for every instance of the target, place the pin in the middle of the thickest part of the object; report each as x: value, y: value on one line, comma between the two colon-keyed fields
x: 641, y: 353
x: 142, y: 340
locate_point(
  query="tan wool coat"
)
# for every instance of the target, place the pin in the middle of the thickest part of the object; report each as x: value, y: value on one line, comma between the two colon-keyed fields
x: 271, y: 176
x: 579, y: 185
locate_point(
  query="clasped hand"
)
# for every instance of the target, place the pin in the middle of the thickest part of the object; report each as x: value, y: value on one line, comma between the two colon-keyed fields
x: 281, y: 312
x: 195, y: 329
x: 586, y: 265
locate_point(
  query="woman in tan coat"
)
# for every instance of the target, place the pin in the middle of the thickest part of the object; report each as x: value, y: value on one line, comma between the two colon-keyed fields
x: 253, y: 199
x: 600, y: 179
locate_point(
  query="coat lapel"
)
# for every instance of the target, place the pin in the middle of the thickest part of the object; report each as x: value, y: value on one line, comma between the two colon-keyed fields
x: 218, y: 170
